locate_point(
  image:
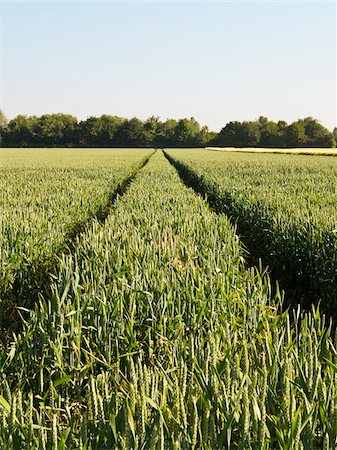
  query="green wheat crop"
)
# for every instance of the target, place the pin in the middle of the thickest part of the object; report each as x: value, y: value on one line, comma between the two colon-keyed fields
x: 157, y: 336
x: 285, y: 206
x: 45, y: 195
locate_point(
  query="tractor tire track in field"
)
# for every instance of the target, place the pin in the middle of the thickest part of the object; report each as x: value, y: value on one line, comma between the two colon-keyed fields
x: 191, y: 180
x: 34, y: 282
x: 295, y: 289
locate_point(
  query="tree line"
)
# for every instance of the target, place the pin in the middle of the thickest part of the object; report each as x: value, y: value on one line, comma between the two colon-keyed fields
x: 64, y: 130
x: 306, y: 132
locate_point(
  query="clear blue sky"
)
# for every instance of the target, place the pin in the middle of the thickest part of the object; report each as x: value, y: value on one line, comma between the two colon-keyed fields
x: 214, y: 61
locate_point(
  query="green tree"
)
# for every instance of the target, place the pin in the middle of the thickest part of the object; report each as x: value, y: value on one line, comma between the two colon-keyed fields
x: 98, y: 131
x: 108, y: 130
x: 212, y: 138
x: 309, y: 132
x: 295, y: 135
x: 89, y: 131
x: 3, y: 126
x: 239, y: 134
x: 250, y: 134
x: 150, y: 130
x: 228, y: 136
x: 3, y: 120
x: 334, y: 133
x: 165, y: 136
x: 281, y: 134
x: 268, y: 133
x: 130, y: 134
x: 203, y: 137
x: 20, y: 131
x: 317, y: 135
x: 55, y: 130
x: 186, y: 132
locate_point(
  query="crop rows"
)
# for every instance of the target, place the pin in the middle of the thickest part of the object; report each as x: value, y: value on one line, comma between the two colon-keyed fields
x: 285, y: 207
x: 46, y: 197
x: 156, y: 336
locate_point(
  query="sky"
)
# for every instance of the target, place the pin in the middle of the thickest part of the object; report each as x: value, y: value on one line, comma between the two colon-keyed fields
x: 215, y: 61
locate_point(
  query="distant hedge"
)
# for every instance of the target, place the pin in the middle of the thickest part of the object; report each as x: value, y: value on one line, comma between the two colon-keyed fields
x: 64, y: 130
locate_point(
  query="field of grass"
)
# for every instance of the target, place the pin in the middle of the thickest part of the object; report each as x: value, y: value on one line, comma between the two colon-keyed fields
x: 154, y: 334
x: 285, y: 207
x: 46, y: 196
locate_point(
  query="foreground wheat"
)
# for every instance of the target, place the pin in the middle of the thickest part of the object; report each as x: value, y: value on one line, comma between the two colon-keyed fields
x: 157, y: 336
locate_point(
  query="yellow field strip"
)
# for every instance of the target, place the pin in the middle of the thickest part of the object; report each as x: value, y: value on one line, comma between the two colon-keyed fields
x: 294, y: 151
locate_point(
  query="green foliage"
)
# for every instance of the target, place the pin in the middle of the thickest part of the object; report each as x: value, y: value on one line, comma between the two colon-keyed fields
x: 156, y: 335
x: 3, y: 126
x: 186, y: 132
x: 20, y: 131
x: 166, y: 134
x: 317, y: 135
x: 270, y: 133
x: 62, y: 130
x: 55, y: 130
x: 334, y: 133
x: 130, y: 134
x: 3, y: 121
x: 98, y: 131
x: 239, y: 134
x: 265, y: 133
x: 295, y: 135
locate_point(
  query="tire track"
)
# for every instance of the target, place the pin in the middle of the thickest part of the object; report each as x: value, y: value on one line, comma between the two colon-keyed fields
x: 295, y: 290
x: 34, y: 282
